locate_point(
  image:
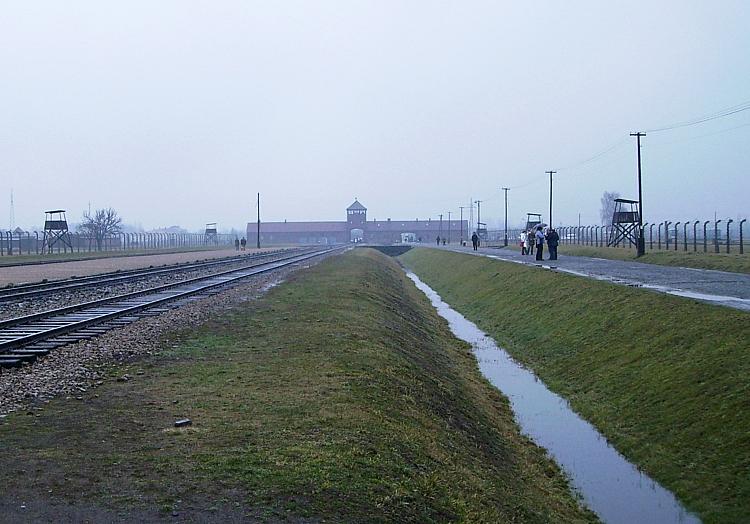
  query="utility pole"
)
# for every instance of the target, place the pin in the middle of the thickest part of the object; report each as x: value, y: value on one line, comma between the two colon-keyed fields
x: 479, y: 215
x: 550, y: 173
x: 441, y: 227
x: 258, y: 232
x: 12, y: 212
x: 506, y: 189
x: 449, y: 227
x: 462, y: 223
x: 471, y: 215
x: 641, y: 248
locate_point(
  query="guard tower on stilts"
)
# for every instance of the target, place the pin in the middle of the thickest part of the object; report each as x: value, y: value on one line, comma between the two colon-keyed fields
x: 625, y: 222
x: 56, y: 231
x: 212, y: 237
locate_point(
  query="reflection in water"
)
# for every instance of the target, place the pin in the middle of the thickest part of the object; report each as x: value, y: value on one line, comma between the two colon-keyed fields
x: 609, y: 484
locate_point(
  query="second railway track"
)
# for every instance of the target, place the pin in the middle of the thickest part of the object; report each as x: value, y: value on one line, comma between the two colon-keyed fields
x: 25, y: 291
x: 23, y: 339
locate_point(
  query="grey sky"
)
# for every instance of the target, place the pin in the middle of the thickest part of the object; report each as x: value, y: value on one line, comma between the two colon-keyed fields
x: 179, y: 112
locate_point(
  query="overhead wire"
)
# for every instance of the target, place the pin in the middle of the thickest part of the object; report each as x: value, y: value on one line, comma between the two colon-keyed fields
x: 706, y: 118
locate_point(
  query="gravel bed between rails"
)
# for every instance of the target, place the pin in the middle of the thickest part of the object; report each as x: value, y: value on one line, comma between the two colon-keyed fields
x: 73, y: 369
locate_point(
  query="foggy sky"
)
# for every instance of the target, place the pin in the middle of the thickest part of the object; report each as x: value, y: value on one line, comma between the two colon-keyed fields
x: 179, y: 112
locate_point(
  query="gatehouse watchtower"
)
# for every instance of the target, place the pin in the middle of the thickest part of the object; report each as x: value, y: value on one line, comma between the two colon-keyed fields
x: 356, y: 215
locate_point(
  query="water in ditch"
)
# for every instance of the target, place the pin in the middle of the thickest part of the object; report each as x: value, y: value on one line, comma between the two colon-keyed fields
x: 610, y: 485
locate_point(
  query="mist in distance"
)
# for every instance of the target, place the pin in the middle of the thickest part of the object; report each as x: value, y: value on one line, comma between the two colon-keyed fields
x: 178, y: 113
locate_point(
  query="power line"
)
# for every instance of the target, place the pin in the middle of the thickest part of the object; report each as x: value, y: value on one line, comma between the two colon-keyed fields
x: 598, y: 155
x: 705, y: 135
x: 706, y: 118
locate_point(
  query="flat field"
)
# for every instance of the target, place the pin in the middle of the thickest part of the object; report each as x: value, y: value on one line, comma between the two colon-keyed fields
x: 664, y: 378
x: 339, y: 396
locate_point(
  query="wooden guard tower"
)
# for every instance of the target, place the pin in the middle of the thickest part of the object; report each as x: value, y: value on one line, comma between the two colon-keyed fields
x: 212, y: 237
x: 55, y: 230
x: 625, y: 221
x: 533, y: 220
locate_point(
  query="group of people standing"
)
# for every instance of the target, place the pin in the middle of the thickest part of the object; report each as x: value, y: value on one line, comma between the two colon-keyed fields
x: 238, y: 243
x: 535, y: 238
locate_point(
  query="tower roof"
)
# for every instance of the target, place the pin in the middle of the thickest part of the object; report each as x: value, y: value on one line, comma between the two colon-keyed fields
x: 356, y: 206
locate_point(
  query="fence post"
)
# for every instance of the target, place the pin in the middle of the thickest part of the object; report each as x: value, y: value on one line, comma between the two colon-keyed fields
x: 729, y: 221
x: 742, y: 246
x: 684, y: 235
x: 659, y: 234
x: 651, y: 236
x: 676, y: 235
x: 666, y: 232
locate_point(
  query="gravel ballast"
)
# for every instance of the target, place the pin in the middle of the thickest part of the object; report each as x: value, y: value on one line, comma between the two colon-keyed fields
x: 80, y: 268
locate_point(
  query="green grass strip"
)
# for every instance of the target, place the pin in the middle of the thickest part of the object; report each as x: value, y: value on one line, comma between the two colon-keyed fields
x: 664, y: 378
x: 340, y: 396
x: 732, y: 262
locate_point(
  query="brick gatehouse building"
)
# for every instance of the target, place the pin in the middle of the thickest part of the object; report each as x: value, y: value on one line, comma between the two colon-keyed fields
x: 357, y: 228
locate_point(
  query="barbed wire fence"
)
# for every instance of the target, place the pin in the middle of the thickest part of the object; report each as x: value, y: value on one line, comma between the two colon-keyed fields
x: 705, y: 236
x: 14, y: 243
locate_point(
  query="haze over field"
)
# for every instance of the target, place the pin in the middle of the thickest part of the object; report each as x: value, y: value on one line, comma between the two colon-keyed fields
x: 178, y: 112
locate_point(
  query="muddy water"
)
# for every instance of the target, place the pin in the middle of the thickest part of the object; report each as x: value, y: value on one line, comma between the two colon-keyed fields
x: 609, y: 484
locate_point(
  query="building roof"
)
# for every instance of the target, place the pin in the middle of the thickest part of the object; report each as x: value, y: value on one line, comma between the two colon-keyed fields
x: 414, y: 226
x: 356, y: 206
x: 299, y: 227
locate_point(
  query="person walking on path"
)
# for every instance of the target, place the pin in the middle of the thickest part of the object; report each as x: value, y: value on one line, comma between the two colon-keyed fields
x: 236, y: 244
x: 243, y: 243
x: 539, y: 242
x: 552, y: 240
x: 522, y: 242
x: 475, y: 241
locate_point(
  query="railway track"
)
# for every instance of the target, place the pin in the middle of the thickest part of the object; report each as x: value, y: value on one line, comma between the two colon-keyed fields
x: 25, y: 291
x: 26, y: 338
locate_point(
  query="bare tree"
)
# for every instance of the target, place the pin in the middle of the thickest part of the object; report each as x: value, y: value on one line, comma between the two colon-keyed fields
x: 608, y: 206
x: 103, y: 224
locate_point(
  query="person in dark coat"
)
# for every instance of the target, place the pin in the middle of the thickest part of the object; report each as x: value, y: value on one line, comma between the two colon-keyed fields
x: 530, y: 242
x: 243, y: 243
x: 539, y: 236
x: 552, y: 240
x: 237, y: 244
x: 438, y: 240
x: 475, y: 241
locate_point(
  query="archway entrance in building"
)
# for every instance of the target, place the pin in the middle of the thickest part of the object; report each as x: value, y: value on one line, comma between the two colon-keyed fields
x: 408, y: 238
x: 356, y: 235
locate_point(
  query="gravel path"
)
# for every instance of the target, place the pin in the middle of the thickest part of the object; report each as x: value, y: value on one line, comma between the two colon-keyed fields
x: 80, y: 268
x: 76, y: 368
x: 716, y: 287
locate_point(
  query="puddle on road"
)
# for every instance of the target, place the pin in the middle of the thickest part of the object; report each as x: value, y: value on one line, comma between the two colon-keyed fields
x: 609, y: 484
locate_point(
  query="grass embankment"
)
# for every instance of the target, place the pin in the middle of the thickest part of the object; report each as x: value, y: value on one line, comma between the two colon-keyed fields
x: 664, y: 378
x: 733, y: 262
x: 341, y: 395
